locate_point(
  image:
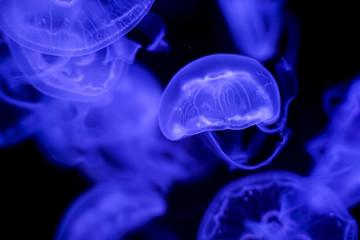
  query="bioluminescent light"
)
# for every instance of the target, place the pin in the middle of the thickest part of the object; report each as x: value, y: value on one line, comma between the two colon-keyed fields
x: 276, y: 205
x: 70, y: 28
x: 111, y: 210
x: 220, y: 92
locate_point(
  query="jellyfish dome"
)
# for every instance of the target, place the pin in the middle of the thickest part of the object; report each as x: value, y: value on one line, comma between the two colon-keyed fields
x: 217, y: 92
x: 276, y: 205
x: 111, y: 210
x: 80, y: 78
x: 70, y: 27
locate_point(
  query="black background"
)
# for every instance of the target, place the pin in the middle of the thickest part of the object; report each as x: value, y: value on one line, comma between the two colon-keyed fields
x: 35, y: 193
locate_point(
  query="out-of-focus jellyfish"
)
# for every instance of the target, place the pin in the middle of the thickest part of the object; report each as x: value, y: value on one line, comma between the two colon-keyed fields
x: 70, y: 27
x: 336, y: 151
x: 256, y: 25
x: 224, y: 92
x: 276, y: 205
x: 263, y: 29
x: 118, y: 133
x: 111, y: 210
x: 21, y: 103
x: 81, y: 78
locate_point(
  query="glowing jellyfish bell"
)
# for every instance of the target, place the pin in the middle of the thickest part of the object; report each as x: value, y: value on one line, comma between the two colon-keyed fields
x: 276, y: 205
x: 221, y: 92
x: 70, y: 27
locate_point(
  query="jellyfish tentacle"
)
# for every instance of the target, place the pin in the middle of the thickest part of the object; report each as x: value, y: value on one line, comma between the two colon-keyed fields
x: 241, y: 161
x: 288, y: 87
x: 153, y: 26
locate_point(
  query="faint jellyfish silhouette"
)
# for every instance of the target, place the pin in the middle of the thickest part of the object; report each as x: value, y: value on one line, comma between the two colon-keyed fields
x: 225, y: 92
x: 276, y: 205
x: 81, y: 78
x: 21, y: 103
x: 117, y: 133
x: 256, y: 25
x: 78, y: 129
x: 336, y: 150
x: 70, y: 28
x: 111, y: 210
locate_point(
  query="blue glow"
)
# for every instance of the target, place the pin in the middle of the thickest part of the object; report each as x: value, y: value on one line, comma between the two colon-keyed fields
x: 220, y: 92
x: 81, y: 78
x: 256, y: 25
x: 71, y: 28
x: 111, y: 210
x: 336, y: 151
x: 276, y: 205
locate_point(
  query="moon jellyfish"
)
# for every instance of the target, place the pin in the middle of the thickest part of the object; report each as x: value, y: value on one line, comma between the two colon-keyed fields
x: 256, y: 25
x: 111, y: 210
x: 276, y: 205
x: 79, y: 78
x: 336, y: 151
x: 70, y: 28
x: 224, y: 92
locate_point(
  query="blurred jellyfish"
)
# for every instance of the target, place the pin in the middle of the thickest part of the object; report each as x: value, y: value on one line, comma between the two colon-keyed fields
x: 225, y: 92
x: 276, y: 205
x: 257, y: 27
x: 70, y: 28
x: 336, y: 151
x: 21, y: 103
x: 81, y: 78
x: 118, y: 133
x: 111, y: 210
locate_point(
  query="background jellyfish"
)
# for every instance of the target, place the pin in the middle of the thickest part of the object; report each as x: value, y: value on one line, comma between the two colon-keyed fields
x: 117, y: 134
x: 80, y: 78
x: 70, y: 28
x: 276, y: 205
x: 21, y: 103
x: 219, y: 92
x: 336, y: 151
x: 111, y: 210
x: 258, y: 26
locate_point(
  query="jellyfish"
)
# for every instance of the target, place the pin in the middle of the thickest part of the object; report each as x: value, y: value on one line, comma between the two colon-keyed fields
x: 225, y: 92
x: 118, y: 133
x: 81, y: 78
x: 263, y: 29
x: 21, y: 103
x: 276, y: 205
x: 111, y: 210
x: 336, y: 150
x: 255, y: 25
x: 70, y: 28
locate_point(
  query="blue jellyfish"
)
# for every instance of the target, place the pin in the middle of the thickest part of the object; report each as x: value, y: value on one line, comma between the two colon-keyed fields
x: 111, y: 210
x: 21, y: 103
x: 81, y: 78
x: 276, y: 205
x: 118, y: 133
x: 70, y: 27
x: 336, y: 151
x: 224, y: 92
x: 256, y: 25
